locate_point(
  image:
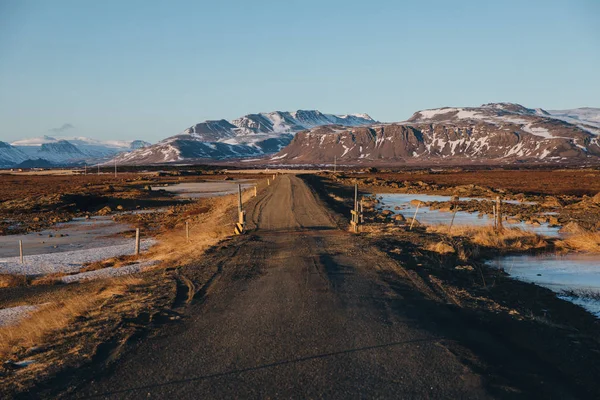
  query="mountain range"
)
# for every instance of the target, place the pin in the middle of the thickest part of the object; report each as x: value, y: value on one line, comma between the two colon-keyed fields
x: 253, y: 135
x: 495, y: 133
x: 58, y: 150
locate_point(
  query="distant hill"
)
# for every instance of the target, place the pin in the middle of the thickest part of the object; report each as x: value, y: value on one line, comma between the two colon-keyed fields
x: 496, y: 133
x: 73, y: 150
x: 39, y: 163
x: 253, y: 135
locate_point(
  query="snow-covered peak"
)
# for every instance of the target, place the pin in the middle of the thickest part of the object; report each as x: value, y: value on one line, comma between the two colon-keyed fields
x: 37, y: 141
x: 586, y: 117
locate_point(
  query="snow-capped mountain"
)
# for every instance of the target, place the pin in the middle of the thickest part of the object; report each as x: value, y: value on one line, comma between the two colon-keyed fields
x: 492, y: 133
x: 10, y: 155
x: 250, y: 135
x: 68, y: 150
x: 586, y: 117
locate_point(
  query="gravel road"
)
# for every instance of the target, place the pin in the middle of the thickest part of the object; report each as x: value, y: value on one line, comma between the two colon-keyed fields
x: 302, y: 309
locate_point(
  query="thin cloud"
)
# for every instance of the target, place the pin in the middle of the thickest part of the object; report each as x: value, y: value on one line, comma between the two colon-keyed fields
x: 65, y: 127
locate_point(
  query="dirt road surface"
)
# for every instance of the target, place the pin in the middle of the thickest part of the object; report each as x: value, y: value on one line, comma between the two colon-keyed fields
x: 302, y: 309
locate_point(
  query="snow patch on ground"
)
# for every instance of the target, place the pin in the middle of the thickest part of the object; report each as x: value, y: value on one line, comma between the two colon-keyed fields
x: 108, y: 272
x: 67, y: 261
x: 13, y: 315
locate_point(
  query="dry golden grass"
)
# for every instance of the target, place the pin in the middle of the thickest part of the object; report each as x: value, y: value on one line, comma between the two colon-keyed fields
x: 114, y: 262
x: 206, y: 229
x: 51, y: 317
x: 506, y: 239
x: 441, y: 248
x: 585, y: 241
x: 50, y: 279
x: 9, y: 280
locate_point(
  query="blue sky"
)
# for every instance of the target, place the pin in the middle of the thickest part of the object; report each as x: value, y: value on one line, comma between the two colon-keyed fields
x: 149, y: 69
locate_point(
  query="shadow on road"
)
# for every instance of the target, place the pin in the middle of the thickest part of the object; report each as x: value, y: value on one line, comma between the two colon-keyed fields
x: 264, y: 366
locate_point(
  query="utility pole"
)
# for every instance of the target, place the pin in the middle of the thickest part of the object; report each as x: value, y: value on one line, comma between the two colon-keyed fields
x: 115, y: 167
x: 85, y: 169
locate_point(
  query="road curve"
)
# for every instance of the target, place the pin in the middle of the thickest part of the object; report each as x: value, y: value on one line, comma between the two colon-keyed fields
x: 300, y: 309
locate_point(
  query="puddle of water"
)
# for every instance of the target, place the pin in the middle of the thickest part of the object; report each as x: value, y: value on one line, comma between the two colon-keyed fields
x: 78, y: 234
x: 579, y: 273
x: 437, y: 217
x: 195, y: 190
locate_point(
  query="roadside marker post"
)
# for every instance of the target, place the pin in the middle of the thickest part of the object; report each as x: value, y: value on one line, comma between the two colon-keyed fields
x: 356, y: 216
x: 255, y: 190
x: 137, y: 241
x: 268, y: 182
x: 21, y: 251
x: 414, y: 216
x: 241, y: 224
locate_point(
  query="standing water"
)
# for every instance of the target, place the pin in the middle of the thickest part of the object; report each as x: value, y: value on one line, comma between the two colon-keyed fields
x: 437, y: 217
x: 575, y: 277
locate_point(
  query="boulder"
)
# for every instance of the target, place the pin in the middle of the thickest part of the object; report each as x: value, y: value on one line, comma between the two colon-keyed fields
x: 552, y: 201
x: 399, y: 218
x: 572, y: 227
x: 105, y: 211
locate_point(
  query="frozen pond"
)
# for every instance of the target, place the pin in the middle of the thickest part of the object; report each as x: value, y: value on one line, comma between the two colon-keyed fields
x: 579, y: 273
x: 78, y: 234
x: 67, y: 246
x: 68, y: 261
x: 195, y: 190
x: 437, y: 217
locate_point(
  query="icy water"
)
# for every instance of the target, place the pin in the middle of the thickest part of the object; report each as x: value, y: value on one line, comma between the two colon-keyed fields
x: 579, y: 273
x: 195, y: 190
x: 437, y: 217
x: 78, y: 234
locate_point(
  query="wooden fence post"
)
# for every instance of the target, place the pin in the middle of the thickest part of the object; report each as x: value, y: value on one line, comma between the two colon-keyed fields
x: 499, y: 213
x: 414, y: 216
x: 137, y: 241
x: 21, y: 251
x: 254, y: 190
x: 454, y: 206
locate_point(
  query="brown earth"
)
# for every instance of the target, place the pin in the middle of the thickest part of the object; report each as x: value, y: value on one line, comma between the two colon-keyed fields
x: 301, y: 308
x: 36, y: 202
x: 533, y: 182
x: 567, y: 193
